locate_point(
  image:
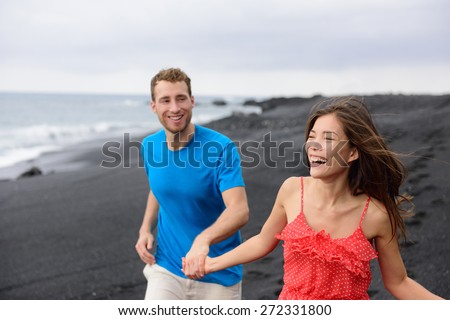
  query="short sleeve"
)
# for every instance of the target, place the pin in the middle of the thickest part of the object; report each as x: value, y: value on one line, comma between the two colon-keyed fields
x: 229, y: 171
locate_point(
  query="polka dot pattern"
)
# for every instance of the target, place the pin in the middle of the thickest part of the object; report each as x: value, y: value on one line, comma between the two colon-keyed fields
x: 317, y: 266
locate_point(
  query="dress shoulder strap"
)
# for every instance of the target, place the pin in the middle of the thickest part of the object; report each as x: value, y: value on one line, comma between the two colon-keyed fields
x: 365, y: 210
x: 301, y: 203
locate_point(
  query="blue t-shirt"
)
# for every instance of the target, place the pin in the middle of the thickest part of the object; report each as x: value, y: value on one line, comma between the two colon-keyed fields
x: 188, y: 184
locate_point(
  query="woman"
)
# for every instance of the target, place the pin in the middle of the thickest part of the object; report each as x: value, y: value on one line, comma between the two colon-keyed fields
x: 348, y: 212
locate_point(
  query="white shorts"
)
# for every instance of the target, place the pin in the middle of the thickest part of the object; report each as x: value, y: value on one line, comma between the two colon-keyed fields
x: 164, y: 285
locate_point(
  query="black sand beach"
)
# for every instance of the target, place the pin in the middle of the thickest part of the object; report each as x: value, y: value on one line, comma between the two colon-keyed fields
x: 71, y: 235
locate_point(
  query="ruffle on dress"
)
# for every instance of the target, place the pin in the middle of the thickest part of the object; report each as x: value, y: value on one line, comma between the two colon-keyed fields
x: 321, y: 246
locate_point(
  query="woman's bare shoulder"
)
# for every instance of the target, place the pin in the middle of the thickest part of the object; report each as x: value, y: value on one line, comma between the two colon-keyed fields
x: 290, y: 185
x: 376, y: 221
x: 291, y: 182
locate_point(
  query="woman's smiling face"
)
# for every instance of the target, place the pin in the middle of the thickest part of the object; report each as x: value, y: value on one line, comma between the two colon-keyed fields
x: 328, y: 149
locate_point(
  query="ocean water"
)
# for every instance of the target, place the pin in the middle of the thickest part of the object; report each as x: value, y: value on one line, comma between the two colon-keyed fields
x: 34, y: 124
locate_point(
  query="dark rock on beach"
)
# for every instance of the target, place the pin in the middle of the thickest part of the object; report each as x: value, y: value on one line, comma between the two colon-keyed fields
x: 280, y: 101
x: 219, y: 102
x: 71, y: 235
x: 32, y: 172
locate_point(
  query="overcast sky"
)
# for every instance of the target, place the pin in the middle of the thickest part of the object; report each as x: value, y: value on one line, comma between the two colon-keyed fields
x: 235, y: 47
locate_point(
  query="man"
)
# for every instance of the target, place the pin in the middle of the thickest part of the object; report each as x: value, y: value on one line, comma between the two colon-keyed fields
x: 197, y: 199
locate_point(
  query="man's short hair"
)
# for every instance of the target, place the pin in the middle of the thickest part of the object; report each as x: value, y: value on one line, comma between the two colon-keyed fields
x: 172, y: 75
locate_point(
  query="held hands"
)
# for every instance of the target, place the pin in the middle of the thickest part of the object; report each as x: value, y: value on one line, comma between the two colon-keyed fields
x: 143, y: 246
x: 208, y: 267
x: 193, y: 265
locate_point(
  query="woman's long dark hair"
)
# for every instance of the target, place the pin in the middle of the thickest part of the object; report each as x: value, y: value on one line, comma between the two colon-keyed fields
x: 377, y: 172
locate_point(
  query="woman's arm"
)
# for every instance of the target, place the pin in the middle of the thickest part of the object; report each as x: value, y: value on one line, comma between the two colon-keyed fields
x: 393, y: 271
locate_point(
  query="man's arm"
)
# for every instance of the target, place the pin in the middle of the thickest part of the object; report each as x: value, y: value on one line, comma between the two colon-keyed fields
x: 145, y: 241
x: 230, y: 221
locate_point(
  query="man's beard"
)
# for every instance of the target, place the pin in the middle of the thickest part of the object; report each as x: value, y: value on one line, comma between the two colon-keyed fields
x: 178, y: 132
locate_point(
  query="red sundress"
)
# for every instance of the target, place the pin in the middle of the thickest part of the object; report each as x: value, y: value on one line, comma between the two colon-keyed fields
x: 318, y: 267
